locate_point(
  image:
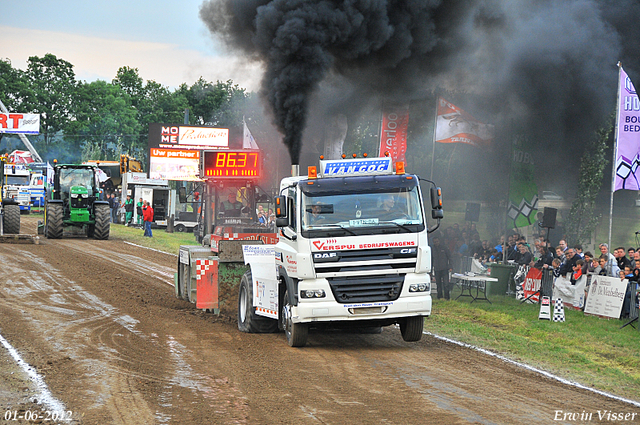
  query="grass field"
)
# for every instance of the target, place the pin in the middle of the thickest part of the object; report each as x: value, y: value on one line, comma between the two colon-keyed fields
x: 592, y: 351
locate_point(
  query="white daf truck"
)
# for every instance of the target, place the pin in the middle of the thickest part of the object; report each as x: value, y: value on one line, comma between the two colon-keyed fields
x: 352, y: 252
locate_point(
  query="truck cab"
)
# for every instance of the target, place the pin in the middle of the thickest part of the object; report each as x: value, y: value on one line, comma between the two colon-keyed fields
x: 352, y: 250
x: 16, y: 185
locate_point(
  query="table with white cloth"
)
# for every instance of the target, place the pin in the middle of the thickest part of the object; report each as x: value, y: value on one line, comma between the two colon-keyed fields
x: 469, y: 282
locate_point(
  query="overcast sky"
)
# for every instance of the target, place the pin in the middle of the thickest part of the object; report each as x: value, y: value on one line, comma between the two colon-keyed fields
x: 165, y: 40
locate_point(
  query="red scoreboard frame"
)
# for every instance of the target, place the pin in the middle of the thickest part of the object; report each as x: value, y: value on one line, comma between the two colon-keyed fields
x: 231, y: 164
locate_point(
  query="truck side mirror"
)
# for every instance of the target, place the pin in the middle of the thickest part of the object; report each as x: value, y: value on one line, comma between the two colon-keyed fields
x: 281, y: 208
x: 282, y: 222
x: 436, y: 203
x: 182, y: 195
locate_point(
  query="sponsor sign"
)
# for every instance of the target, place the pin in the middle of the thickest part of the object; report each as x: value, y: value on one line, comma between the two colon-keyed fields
x: 359, y: 167
x: 532, y: 283
x: 20, y: 123
x: 605, y: 297
x: 338, y: 245
x: 393, y: 134
x: 174, y: 164
x: 627, y: 135
x: 187, y: 137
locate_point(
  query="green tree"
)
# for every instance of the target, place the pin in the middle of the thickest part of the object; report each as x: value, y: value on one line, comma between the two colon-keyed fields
x: 105, y: 124
x: 14, y: 86
x: 53, y: 85
x: 220, y: 104
x: 153, y: 103
x: 582, y: 219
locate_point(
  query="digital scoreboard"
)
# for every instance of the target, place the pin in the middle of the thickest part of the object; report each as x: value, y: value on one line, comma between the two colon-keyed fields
x: 227, y: 164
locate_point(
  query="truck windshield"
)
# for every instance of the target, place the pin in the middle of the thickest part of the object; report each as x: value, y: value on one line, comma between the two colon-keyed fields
x: 398, y: 209
x: 18, y: 180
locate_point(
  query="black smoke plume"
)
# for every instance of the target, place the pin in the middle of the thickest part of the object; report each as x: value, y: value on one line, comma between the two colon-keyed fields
x: 549, y: 66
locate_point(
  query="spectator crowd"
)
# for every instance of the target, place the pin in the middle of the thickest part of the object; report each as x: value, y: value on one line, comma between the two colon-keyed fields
x: 451, y: 245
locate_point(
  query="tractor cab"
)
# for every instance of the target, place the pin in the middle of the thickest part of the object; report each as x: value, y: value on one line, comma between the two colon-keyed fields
x: 77, y: 187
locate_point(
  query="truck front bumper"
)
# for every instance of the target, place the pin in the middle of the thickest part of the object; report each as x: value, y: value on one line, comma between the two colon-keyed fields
x: 328, y: 311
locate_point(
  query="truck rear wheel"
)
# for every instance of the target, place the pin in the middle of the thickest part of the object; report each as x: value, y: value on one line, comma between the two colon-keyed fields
x: 53, y: 221
x: 11, y: 219
x: 248, y: 320
x: 296, y: 332
x: 411, y: 328
x: 102, y: 226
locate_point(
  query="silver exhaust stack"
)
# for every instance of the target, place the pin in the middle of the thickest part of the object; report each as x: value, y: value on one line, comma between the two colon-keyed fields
x: 295, y: 170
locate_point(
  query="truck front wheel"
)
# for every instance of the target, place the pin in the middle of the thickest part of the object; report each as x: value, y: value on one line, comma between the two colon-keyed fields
x: 296, y: 332
x: 411, y: 328
x: 248, y: 320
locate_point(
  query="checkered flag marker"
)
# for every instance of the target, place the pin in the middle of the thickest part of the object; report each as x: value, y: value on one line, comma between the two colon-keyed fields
x: 558, y: 310
x: 519, y: 293
x: 545, y: 309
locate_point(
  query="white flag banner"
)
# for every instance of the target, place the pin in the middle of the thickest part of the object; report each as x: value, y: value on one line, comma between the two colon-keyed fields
x: 453, y: 125
x: 248, y: 142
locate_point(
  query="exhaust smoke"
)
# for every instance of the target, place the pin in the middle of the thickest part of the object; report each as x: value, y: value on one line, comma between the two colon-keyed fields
x: 548, y: 68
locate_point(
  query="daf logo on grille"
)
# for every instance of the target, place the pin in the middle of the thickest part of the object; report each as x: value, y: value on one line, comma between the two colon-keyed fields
x: 408, y: 251
x: 323, y: 255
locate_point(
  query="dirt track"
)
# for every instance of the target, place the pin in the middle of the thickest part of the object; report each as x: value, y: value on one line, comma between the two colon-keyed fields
x: 100, y: 322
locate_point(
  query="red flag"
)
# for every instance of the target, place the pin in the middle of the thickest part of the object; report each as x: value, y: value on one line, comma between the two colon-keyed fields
x: 453, y: 125
x: 393, y: 135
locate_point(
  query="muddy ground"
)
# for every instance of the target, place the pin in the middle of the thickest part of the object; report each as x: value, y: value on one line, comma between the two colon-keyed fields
x: 99, y: 322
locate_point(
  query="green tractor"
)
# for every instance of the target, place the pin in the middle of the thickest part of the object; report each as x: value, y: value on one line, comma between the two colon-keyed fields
x: 9, y: 208
x: 75, y: 201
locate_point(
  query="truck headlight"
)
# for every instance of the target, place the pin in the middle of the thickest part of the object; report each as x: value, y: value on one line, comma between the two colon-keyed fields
x: 312, y: 293
x: 74, y: 195
x: 420, y: 287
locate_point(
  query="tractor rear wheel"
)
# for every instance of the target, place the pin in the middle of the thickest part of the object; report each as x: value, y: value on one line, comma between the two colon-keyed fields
x: 11, y: 219
x: 53, y: 221
x: 102, y: 217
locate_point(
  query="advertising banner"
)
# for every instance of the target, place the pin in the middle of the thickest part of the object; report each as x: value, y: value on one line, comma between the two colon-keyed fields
x: 453, y: 125
x: 393, y: 135
x: 605, y: 297
x: 523, y: 192
x: 627, y: 136
x: 174, y: 164
x: 187, y: 137
x: 532, y: 283
x: 19, y: 123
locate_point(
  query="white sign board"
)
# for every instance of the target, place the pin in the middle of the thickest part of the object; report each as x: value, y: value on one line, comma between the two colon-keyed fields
x: 261, y: 258
x: 605, y: 297
x: 20, y: 123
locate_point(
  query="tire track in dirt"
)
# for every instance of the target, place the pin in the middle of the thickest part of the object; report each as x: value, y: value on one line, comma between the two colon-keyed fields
x: 190, y: 367
x: 113, y: 355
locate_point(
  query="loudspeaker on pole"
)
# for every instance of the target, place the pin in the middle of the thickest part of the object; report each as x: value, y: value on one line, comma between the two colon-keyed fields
x: 549, y: 218
x: 473, y: 212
